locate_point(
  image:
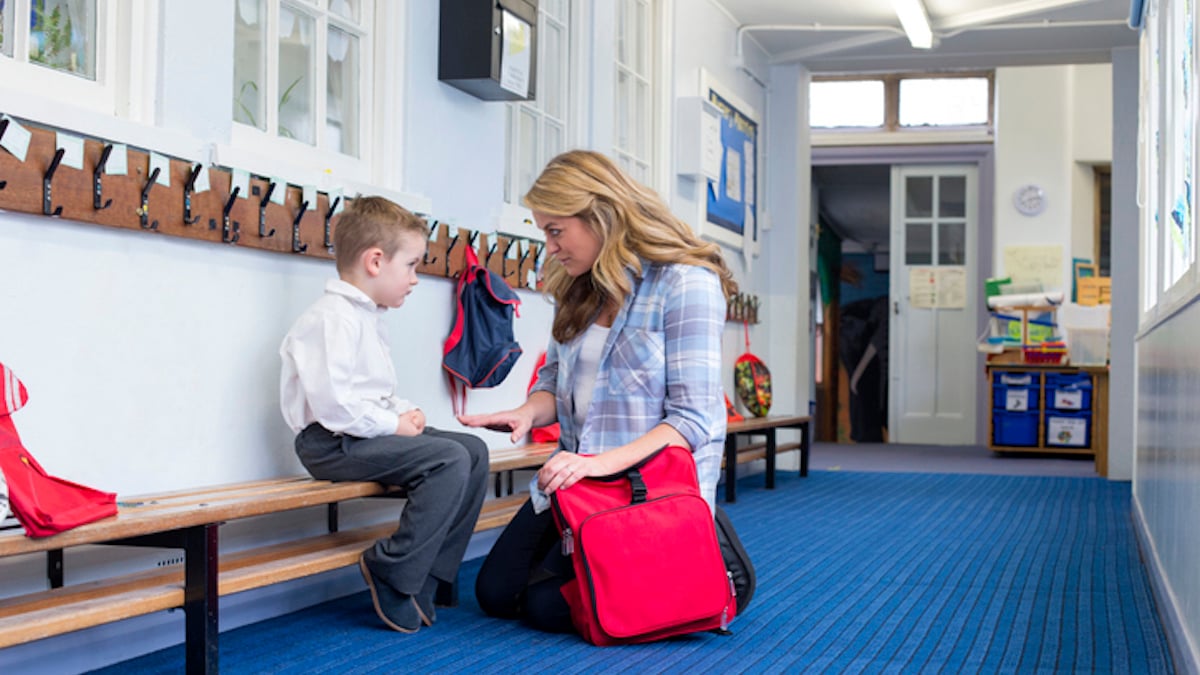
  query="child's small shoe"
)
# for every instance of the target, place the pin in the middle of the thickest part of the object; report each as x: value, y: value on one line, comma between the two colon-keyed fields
x: 397, y: 610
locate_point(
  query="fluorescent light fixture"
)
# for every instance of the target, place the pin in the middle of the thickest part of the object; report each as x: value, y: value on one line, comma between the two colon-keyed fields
x: 915, y: 21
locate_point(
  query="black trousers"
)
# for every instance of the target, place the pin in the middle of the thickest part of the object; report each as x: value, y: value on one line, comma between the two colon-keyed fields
x: 445, y: 476
x: 522, y: 575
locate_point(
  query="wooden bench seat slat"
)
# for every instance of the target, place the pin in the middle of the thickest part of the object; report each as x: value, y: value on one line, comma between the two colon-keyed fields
x: 74, y: 608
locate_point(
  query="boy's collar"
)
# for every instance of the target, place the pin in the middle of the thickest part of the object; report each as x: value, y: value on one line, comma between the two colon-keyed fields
x: 352, y: 293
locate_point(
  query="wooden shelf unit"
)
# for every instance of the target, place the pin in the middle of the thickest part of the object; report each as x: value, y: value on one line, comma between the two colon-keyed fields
x: 1098, y: 431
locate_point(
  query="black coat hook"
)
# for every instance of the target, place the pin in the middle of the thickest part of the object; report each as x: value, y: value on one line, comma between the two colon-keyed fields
x: 449, y: 248
x: 144, y: 209
x: 487, y: 259
x: 504, y: 260
x: 98, y: 201
x: 47, y: 179
x: 188, y: 188
x: 328, y: 229
x: 426, y: 259
x: 229, y: 233
x: 262, y: 212
x: 3, y: 128
x: 297, y: 247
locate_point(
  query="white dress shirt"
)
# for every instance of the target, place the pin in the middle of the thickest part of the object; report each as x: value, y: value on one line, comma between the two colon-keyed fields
x: 337, y: 367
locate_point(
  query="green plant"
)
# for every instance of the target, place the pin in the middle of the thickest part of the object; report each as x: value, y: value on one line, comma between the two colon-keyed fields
x: 243, y: 113
x: 54, y: 46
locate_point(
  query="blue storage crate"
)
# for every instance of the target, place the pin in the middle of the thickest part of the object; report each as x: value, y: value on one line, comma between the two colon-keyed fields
x: 1068, y: 391
x: 1065, y: 429
x: 1015, y: 391
x: 1015, y: 428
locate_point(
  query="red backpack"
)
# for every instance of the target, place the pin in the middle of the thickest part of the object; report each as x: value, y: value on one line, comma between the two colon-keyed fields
x: 645, y: 552
x: 753, y: 381
x: 44, y: 504
x: 480, y: 350
x: 550, y: 432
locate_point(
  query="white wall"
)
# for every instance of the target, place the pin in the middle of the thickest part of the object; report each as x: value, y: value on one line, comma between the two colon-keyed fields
x: 1032, y: 146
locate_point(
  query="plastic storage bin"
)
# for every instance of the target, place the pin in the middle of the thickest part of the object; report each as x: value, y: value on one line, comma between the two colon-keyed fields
x: 1015, y: 428
x: 1068, y: 391
x: 1087, y: 346
x: 1068, y: 429
x: 1015, y: 391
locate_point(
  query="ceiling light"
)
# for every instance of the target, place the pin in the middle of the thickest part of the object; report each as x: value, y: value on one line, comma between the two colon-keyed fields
x: 915, y: 21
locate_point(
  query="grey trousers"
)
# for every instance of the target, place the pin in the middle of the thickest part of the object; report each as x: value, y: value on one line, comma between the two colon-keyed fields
x: 445, y: 476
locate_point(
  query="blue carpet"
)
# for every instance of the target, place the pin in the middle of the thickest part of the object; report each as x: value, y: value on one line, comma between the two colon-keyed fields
x: 857, y: 572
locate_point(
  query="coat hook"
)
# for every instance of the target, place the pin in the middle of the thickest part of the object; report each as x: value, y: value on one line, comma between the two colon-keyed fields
x: 144, y: 210
x: 229, y: 233
x: 297, y: 247
x: 46, y: 180
x: 426, y: 258
x: 98, y: 201
x: 328, y: 230
x: 3, y: 128
x: 449, y: 248
x: 262, y: 212
x: 504, y: 258
x: 188, y: 188
x: 487, y: 259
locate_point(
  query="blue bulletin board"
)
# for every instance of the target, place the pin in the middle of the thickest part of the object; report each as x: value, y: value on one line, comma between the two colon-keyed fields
x: 732, y: 201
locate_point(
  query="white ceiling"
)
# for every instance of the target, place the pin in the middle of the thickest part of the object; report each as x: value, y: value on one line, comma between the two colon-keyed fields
x: 859, y: 36
x: 865, y: 35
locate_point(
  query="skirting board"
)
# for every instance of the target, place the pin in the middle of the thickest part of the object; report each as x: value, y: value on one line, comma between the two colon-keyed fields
x: 1183, y: 650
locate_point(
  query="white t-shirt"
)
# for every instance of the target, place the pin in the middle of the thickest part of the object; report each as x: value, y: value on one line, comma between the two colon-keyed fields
x: 586, y: 368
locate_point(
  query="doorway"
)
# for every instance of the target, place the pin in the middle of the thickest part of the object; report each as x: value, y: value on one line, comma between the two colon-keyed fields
x: 859, y: 387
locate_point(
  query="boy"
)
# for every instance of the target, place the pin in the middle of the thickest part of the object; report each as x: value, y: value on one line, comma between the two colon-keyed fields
x: 337, y: 392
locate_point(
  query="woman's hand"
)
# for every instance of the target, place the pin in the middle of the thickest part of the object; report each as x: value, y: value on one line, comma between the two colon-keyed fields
x: 518, y: 421
x: 564, y: 469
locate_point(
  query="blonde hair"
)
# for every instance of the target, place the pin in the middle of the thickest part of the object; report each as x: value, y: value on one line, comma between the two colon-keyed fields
x: 370, y: 222
x: 632, y: 223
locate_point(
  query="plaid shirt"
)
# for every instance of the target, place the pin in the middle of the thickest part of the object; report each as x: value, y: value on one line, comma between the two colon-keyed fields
x: 660, y: 363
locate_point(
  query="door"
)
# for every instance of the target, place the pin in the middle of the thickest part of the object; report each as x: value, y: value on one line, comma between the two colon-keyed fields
x: 933, y: 361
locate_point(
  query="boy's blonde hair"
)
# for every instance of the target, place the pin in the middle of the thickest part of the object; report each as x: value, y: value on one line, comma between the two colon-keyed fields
x: 370, y: 222
x: 632, y: 222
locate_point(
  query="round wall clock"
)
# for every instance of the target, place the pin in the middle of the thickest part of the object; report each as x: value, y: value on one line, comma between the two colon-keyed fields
x: 1030, y: 200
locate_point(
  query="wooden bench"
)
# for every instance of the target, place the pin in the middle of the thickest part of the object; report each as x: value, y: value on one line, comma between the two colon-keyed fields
x: 766, y: 449
x: 190, y: 520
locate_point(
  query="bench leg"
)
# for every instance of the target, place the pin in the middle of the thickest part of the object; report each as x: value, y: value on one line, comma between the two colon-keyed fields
x: 54, y: 567
x: 804, y: 450
x: 200, y: 598
x: 731, y: 468
x: 499, y: 485
x: 770, y: 478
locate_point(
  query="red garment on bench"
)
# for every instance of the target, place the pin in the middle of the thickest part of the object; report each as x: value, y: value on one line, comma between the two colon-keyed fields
x: 44, y: 504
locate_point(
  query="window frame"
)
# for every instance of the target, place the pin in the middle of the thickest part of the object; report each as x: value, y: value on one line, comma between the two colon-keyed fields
x: 264, y: 151
x: 47, y: 88
x: 891, y: 131
x: 648, y: 161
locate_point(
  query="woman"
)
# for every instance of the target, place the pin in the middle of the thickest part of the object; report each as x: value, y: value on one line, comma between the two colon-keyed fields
x: 634, y: 363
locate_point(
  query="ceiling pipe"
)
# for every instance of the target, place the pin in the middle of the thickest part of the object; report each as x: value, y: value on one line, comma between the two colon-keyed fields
x: 821, y: 28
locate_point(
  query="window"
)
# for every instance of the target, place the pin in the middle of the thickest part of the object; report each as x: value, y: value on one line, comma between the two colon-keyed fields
x: 634, y: 112
x: 902, y: 102
x: 538, y: 129
x: 300, y: 72
x: 59, y: 49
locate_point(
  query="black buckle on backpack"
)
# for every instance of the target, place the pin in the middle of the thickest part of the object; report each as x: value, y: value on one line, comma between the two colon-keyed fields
x: 638, y: 485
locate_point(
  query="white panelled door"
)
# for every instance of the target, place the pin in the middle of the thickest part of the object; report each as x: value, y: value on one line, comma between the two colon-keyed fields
x: 933, y: 362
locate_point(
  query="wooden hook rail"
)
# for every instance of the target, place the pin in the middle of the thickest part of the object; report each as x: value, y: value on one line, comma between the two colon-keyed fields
x: 44, y: 184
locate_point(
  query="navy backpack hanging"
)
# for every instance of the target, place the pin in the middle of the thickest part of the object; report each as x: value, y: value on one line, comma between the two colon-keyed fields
x: 480, y: 349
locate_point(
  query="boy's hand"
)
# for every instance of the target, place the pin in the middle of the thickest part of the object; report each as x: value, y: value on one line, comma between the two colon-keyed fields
x: 515, y: 421
x: 411, y: 423
x: 418, y: 419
